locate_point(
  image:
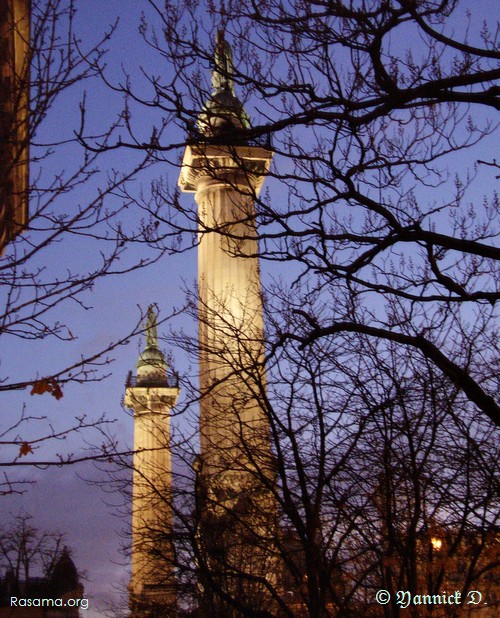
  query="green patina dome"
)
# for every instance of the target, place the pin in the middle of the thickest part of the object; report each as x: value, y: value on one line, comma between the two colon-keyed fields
x: 223, y: 110
x: 151, y: 357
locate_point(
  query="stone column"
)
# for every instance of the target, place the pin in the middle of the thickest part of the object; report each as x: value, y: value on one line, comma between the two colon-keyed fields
x: 234, y: 432
x: 151, y: 395
x: 235, y: 476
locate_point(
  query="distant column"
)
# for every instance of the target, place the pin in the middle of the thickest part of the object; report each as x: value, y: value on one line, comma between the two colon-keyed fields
x: 151, y: 395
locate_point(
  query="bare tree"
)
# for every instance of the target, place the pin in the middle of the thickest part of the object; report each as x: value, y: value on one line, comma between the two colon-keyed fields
x: 386, y: 478
x: 31, y: 291
x: 26, y: 551
x: 375, y: 195
x: 65, y: 229
x: 37, y: 565
x: 381, y: 366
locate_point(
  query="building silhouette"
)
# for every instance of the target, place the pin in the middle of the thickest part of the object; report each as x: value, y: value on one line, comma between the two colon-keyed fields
x: 61, y: 585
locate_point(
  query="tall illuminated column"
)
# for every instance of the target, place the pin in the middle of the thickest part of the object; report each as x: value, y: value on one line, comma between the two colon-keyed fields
x: 235, y: 476
x: 226, y: 173
x: 151, y: 396
x: 14, y: 109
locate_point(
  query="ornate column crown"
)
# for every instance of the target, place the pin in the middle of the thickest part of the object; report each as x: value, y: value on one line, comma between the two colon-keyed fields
x: 222, y: 75
x: 223, y: 111
x: 151, y: 363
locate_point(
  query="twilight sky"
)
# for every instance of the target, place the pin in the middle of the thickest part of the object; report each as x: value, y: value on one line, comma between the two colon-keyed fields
x: 62, y: 499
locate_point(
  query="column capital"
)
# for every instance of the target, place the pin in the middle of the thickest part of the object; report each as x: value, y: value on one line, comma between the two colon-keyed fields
x: 151, y: 400
x: 243, y: 165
